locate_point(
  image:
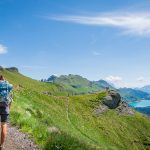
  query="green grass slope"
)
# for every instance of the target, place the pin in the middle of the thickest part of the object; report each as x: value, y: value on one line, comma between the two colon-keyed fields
x: 77, y: 84
x: 59, y: 122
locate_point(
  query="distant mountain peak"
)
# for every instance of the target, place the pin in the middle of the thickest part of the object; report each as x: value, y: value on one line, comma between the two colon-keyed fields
x: 52, y: 78
x: 12, y: 69
x: 145, y: 88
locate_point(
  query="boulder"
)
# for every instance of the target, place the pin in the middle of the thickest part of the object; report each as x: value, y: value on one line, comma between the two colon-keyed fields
x: 112, y: 100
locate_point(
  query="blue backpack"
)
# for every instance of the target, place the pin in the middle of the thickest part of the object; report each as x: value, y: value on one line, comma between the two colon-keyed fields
x: 5, y: 92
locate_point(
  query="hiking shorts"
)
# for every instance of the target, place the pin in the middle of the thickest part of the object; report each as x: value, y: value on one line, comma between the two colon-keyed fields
x: 4, y: 118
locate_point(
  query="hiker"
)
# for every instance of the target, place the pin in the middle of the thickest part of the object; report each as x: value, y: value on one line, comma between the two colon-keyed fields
x: 5, y: 102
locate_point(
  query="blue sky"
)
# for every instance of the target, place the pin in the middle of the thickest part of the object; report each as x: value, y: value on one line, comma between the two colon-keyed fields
x: 100, y: 39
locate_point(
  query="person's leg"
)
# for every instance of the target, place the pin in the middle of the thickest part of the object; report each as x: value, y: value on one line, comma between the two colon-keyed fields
x: 4, y: 120
x: 3, y: 133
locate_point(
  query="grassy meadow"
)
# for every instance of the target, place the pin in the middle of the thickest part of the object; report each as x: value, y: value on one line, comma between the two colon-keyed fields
x: 57, y: 121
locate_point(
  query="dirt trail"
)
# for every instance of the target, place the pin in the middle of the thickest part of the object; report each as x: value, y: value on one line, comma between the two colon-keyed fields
x: 17, y: 140
x: 77, y: 128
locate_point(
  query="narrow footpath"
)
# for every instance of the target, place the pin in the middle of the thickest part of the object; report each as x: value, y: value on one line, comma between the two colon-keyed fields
x: 17, y: 140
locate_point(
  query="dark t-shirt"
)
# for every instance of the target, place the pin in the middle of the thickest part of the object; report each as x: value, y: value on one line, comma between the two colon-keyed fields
x: 4, y: 109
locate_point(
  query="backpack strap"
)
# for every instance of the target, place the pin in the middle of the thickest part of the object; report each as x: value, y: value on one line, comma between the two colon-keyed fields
x: 7, y: 89
x: 9, y: 95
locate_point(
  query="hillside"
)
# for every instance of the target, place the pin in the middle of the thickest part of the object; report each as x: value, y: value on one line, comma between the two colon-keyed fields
x: 57, y: 121
x: 77, y: 84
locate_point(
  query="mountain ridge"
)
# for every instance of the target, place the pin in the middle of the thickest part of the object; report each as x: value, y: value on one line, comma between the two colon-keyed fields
x: 130, y: 94
x: 145, y: 88
x: 79, y: 85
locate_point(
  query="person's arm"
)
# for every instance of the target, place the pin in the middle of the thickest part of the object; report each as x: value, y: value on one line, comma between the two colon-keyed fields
x: 10, y: 87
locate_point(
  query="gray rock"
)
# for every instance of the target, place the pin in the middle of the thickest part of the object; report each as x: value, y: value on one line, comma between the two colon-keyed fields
x: 112, y: 100
x: 47, y: 93
x: 101, y: 109
x: 124, y: 109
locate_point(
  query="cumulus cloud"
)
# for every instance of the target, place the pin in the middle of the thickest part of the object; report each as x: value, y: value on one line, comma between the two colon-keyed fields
x: 132, y: 22
x: 118, y: 82
x: 113, y: 79
x: 140, y: 79
x: 3, y: 49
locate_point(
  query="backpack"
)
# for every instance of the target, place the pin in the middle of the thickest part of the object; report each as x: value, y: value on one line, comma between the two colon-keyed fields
x: 5, y: 92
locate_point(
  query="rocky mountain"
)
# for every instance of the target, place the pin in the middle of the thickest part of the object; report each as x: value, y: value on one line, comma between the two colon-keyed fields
x: 145, y: 89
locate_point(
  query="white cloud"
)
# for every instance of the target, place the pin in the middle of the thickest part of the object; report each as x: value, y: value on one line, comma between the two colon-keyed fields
x: 113, y: 79
x: 132, y: 23
x: 120, y: 82
x: 140, y: 79
x: 95, y: 53
x: 3, y: 49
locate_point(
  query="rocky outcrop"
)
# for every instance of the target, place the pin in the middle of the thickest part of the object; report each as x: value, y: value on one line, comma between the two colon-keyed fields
x: 12, y: 69
x: 101, y: 109
x: 124, y: 109
x: 114, y: 101
x: 47, y: 93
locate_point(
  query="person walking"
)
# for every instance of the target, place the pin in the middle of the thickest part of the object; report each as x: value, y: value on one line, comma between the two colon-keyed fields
x: 5, y: 102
